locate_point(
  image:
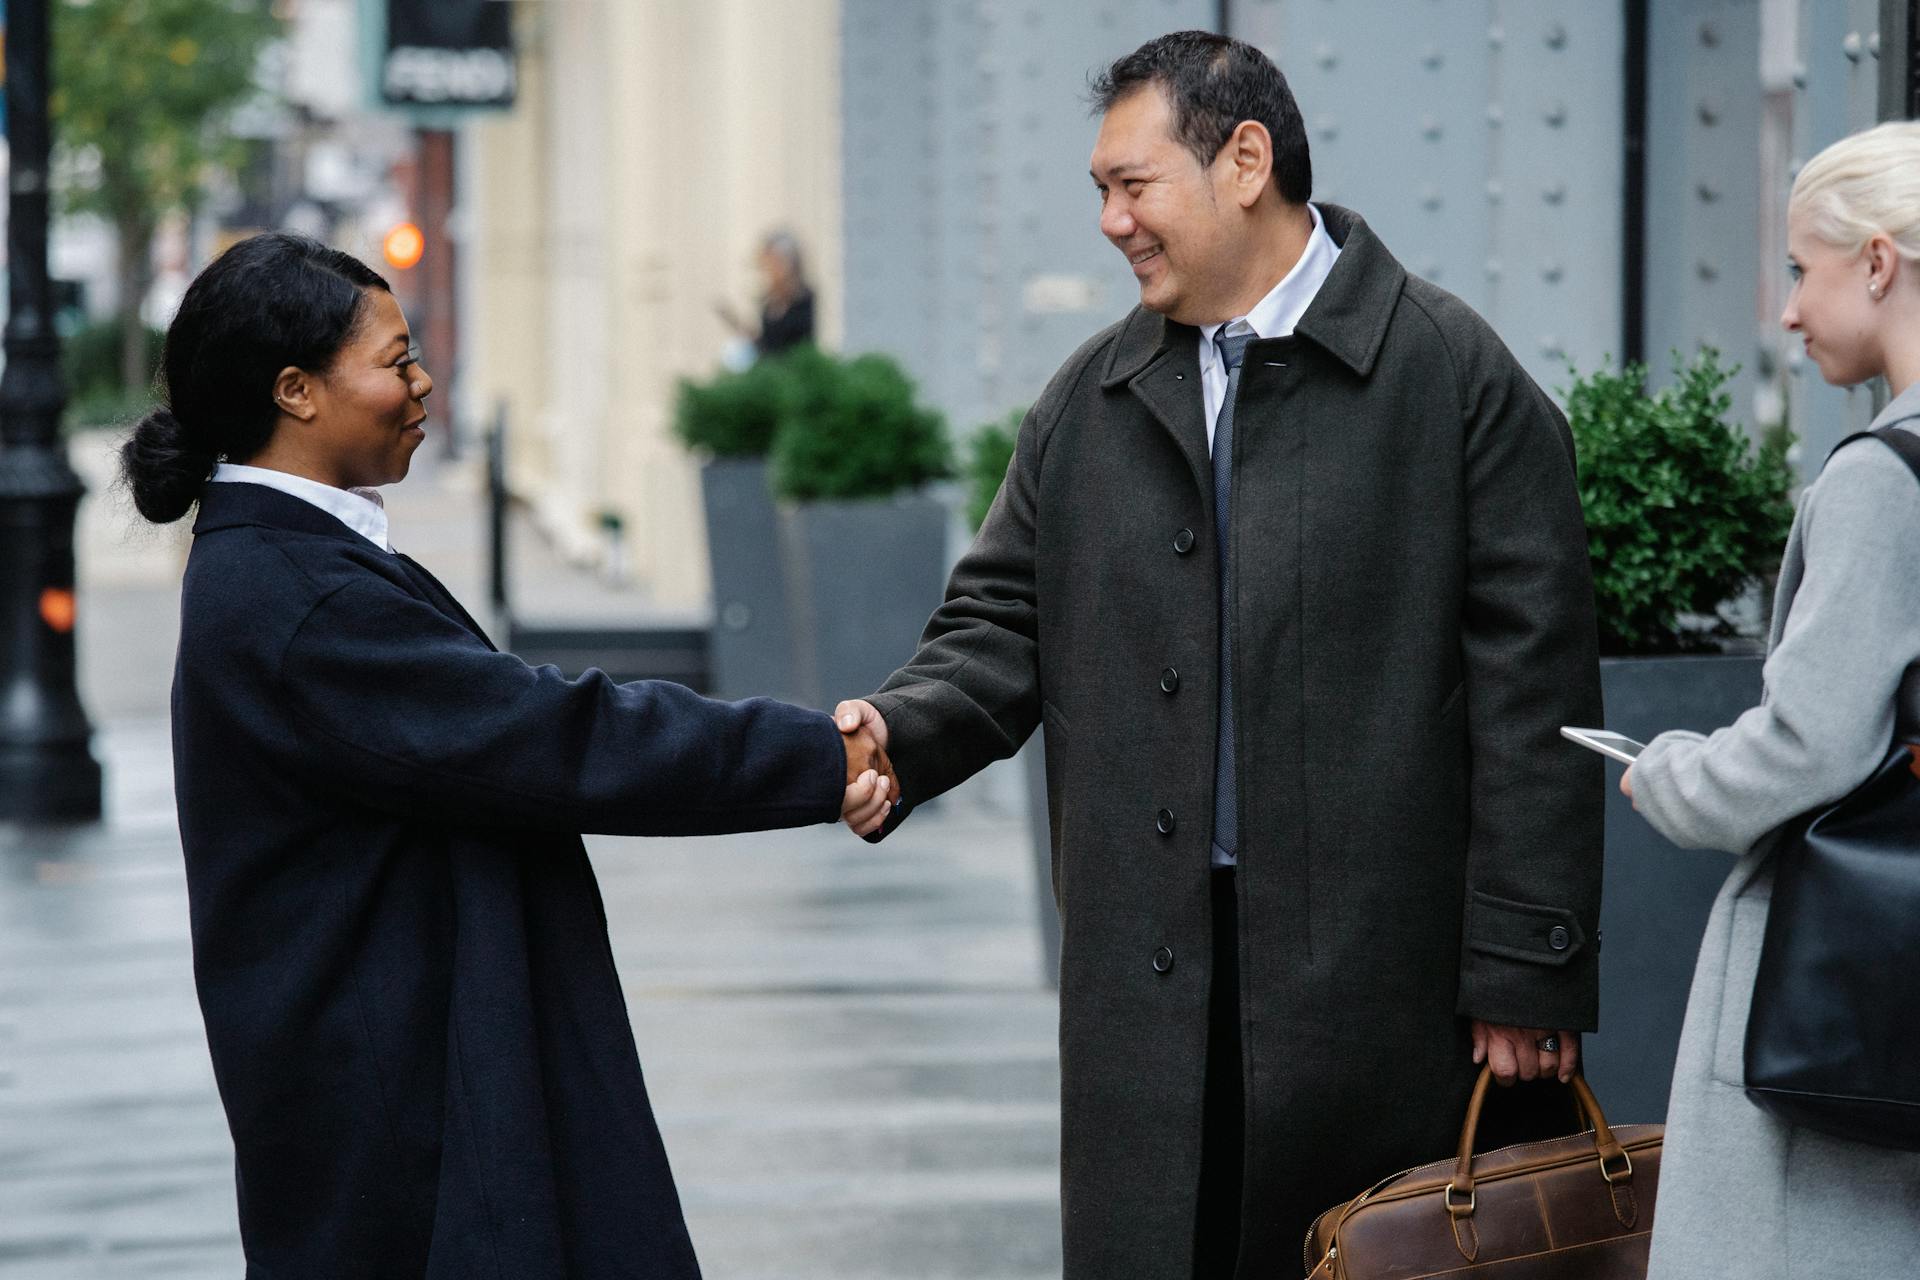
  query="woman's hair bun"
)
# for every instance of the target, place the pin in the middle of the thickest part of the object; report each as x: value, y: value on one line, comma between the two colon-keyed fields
x: 165, y: 469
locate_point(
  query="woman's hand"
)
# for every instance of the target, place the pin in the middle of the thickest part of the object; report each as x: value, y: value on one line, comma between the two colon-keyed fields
x: 1626, y: 785
x: 872, y: 788
x: 867, y: 802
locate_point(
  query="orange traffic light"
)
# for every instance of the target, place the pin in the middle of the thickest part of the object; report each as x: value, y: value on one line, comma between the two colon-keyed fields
x: 404, y: 245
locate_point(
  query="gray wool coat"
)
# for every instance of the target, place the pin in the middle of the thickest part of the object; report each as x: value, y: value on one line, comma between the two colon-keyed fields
x: 1413, y: 621
x: 1741, y: 1193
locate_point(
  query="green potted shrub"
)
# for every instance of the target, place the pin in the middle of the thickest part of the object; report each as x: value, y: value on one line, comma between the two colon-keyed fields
x: 730, y: 419
x: 989, y: 454
x: 863, y: 542
x: 1684, y: 514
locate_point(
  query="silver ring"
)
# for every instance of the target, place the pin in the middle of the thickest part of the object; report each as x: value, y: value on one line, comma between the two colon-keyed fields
x: 1547, y: 1044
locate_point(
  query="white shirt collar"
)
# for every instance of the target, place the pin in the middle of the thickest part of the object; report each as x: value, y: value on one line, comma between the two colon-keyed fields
x: 361, y: 510
x: 1275, y: 315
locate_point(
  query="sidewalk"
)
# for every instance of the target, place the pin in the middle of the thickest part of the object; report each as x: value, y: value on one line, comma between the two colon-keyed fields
x: 849, y: 1047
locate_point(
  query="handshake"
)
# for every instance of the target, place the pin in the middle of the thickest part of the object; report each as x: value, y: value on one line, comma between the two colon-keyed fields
x: 872, y: 789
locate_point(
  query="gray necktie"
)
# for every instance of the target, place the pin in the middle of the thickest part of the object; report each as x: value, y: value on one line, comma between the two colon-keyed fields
x: 1226, y: 814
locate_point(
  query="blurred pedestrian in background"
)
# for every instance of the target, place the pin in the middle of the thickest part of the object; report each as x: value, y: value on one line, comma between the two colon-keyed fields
x: 1742, y: 1193
x: 786, y: 303
x: 399, y: 946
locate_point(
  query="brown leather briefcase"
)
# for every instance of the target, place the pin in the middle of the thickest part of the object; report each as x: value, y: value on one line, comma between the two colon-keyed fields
x: 1576, y: 1208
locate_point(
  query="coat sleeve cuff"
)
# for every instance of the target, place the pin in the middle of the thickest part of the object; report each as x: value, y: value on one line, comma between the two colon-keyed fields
x: 830, y: 781
x: 1657, y: 793
x: 1528, y: 965
x: 896, y: 707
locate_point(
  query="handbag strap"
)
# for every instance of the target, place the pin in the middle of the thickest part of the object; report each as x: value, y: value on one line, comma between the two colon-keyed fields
x: 1615, y: 1164
x: 1904, y: 443
x: 1907, y: 446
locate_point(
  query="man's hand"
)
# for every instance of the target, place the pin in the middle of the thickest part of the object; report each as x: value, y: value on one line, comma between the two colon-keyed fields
x: 1516, y: 1054
x: 1626, y: 786
x: 872, y: 788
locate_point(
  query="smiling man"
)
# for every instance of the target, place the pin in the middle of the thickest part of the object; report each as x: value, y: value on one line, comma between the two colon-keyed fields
x: 1291, y: 565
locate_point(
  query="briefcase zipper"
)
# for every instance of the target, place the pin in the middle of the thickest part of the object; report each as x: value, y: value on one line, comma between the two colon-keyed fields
x: 1333, y: 1249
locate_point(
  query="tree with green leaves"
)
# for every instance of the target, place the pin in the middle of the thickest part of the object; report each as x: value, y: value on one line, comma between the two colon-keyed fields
x: 140, y: 92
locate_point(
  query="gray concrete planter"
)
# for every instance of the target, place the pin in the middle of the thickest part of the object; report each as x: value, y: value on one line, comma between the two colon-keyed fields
x: 752, y: 648
x: 863, y: 577
x: 1657, y: 896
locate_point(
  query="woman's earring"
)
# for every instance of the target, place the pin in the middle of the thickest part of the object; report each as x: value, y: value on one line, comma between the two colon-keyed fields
x: 1873, y: 291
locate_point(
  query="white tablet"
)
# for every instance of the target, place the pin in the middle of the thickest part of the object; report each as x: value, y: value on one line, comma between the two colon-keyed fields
x: 1606, y: 742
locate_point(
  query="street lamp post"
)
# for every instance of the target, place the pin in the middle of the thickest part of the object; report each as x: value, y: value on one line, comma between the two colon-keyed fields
x: 47, y: 770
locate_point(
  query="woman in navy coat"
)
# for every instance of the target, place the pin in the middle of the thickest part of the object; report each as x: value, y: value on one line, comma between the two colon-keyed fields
x: 400, y: 949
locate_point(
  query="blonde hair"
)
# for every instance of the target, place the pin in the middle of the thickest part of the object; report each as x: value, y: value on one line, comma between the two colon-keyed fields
x: 1864, y: 185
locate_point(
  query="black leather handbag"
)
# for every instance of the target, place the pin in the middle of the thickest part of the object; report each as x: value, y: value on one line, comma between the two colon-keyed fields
x: 1833, y: 1038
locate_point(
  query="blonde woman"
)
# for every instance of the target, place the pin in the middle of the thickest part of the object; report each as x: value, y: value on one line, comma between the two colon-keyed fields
x: 1743, y: 1194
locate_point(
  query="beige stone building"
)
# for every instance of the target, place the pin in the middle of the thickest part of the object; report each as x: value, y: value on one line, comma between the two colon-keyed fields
x: 654, y: 144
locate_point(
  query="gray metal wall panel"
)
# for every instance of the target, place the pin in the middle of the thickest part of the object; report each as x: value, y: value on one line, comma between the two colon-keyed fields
x: 1703, y: 188
x: 1397, y: 125
x: 1838, y: 92
x: 973, y: 250
x: 1560, y: 156
x: 890, y: 124
x: 1482, y: 139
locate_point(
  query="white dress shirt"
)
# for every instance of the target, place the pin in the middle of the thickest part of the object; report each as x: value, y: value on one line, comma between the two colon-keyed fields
x: 1274, y: 316
x: 358, y: 509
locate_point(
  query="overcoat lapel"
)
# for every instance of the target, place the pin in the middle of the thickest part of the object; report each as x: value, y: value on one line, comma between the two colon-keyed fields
x: 1159, y: 361
x: 227, y: 505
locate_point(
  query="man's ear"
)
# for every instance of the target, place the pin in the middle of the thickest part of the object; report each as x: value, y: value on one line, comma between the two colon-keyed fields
x: 293, y: 393
x: 1249, y: 157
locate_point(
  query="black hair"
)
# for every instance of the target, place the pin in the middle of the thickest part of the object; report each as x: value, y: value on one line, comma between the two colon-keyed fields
x: 270, y: 302
x: 1213, y: 83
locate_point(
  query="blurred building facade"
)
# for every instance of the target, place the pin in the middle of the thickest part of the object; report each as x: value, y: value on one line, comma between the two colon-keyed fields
x: 655, y: 143
x: 1602, y: 181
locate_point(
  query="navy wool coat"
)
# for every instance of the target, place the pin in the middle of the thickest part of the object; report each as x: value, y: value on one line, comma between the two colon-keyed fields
x: 400, y: 949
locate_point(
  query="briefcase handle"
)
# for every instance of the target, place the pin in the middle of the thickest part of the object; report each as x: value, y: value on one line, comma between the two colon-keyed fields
x: 1616, y: 1166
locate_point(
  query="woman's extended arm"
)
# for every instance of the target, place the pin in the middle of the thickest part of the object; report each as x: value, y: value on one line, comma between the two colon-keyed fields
x: 1852, y: 632
x: 408, y: 711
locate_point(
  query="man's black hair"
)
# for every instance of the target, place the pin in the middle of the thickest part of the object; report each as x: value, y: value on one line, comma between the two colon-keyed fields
x: 1213, y: 83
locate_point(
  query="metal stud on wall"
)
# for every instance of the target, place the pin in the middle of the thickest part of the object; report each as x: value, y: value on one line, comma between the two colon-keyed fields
x: 973, y: 251
x: 1837, y: 93
x: 1703, y: 192
x: 1481, y: 139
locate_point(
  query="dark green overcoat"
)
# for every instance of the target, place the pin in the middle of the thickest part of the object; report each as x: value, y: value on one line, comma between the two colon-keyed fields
x: 1413, y: 623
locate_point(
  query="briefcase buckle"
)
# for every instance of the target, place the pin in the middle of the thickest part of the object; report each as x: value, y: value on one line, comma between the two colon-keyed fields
x: 1612, y: 1177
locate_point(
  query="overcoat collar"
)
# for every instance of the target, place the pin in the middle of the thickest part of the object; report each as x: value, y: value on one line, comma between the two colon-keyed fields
x: 239, y: 504
x: 232, y: 505
x: 1348, y: 317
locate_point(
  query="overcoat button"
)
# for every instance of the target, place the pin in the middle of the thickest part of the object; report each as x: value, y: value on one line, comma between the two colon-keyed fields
x: 1163, y: 960
x: 1558, y: 938
x: 1169, y: 680
x: 1163, y: 822
x: 1183, y: 541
